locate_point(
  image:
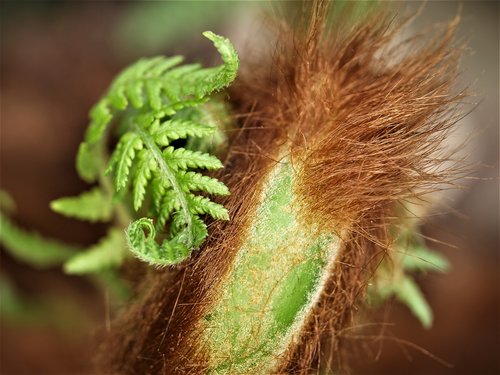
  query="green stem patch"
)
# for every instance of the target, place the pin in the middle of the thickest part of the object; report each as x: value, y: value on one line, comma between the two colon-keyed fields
x: 275, y: 280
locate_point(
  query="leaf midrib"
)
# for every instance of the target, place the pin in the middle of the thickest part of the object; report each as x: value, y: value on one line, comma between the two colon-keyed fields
x: 166, y: 173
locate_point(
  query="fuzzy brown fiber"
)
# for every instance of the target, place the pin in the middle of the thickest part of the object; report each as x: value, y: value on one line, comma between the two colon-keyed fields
x: 363, y: 113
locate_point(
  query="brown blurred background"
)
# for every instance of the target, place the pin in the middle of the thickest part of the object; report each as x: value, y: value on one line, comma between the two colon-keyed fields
x: 58, y: 57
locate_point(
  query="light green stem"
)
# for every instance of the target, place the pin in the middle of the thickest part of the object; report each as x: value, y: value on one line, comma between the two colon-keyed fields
x: 275, y: 281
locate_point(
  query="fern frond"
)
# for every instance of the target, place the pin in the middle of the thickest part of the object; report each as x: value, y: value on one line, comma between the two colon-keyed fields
x: 100, y: 117
x: 154, y: 84
x: 166, y: 207
x: 93, y: 205
x: 408, y: 293
x: 157, y: 190
x: 420, y: 258
x: 196, y: 181
x: 145, y: 247
x: 203, y: 205
x: 32, y: 248
x: 227, y: 72
x: 87, y: 163
x: 145, y: 166
x: 178, y: 159
x: 168, y: 167
x: 147, y: 98
x: 123, y: 157
x: 396, y: 279
x: 129, y: 87
x: 170, y: 170
x: 108, y: 253
x: 216, y: 113
x: 180, y: 129
x: 199, y: 231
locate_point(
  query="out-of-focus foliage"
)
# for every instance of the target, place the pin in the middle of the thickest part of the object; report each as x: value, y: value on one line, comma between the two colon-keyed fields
x: 147, y: 27
x: 16, y: 308
x: 395, y: 277
x: 28, y: 246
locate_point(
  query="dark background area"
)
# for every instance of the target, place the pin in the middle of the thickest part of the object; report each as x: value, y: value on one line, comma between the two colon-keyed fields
x: 58, y: 57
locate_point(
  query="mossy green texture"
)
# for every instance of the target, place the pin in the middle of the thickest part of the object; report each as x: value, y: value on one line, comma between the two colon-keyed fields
x: 274, y: 282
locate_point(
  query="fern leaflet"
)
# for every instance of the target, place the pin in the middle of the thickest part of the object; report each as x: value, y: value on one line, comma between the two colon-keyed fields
x: 395, y: 278
x: 108, y: 253
x: 30, y: 247
x: 408, y: 292
x: 423, y: 259
x: 93, y: 205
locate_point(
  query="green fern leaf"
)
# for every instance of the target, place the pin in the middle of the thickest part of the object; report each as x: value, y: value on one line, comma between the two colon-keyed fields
x: 180, y: 129
x: 93, y: 205
x: 199, y: 231
x: 408, y: 292
x: 203, y: 205
x: 167, y: 206
x: 196, y: 181
x: 141, y: 245
x: 87, y: 163
x: 153, y: 83
x: 420, y: 258
x: 123, y: 157
x: 179, y: 159
x: 227, y: 72
x: 198, y: 228
x: 394, y: 278
x: 145, y: 248
x: 216, y: 113
x: 129, y: 86
x: 100, y: 117
x: 157, y: 102
x: 30, y: 247
x: 157, y: 190
x: 143, y: 174
x: 153, y: 93
x: 108, y: 253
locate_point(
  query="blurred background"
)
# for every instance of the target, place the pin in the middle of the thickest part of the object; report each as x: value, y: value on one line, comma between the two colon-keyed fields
x: 57, y: 58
